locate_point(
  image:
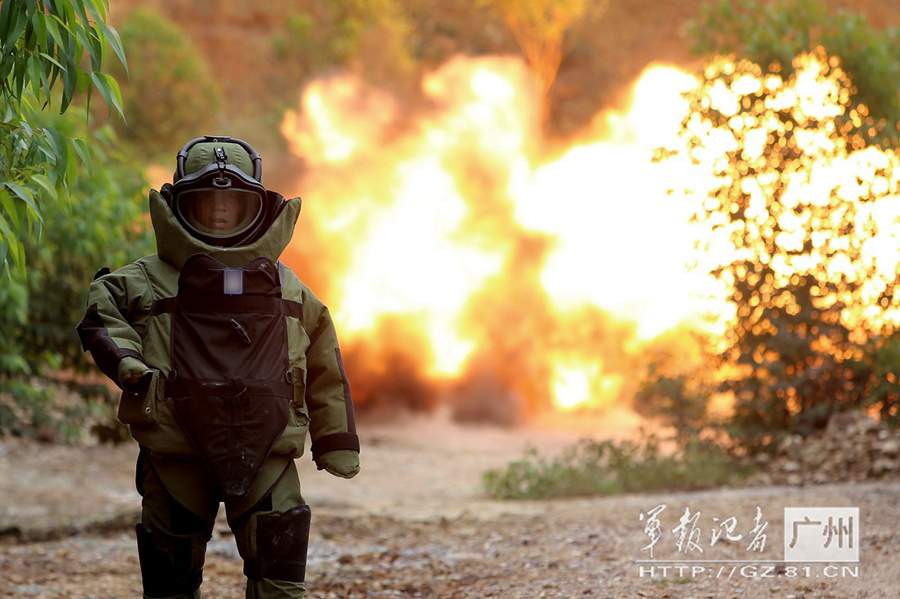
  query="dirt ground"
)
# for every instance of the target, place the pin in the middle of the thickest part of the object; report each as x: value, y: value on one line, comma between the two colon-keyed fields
x: 415, y: 523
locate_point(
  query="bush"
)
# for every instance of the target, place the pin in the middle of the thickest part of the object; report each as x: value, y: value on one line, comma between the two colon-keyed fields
x: 375, y: 38
x: 677, y: 383
x: 101, y: 226
x: 605, y: 467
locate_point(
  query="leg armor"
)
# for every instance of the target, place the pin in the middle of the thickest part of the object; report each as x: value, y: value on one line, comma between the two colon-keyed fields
x: 281, y: 546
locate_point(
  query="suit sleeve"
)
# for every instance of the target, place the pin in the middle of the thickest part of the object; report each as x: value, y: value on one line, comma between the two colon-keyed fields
x: 328, y: 398
x: 116, y: 311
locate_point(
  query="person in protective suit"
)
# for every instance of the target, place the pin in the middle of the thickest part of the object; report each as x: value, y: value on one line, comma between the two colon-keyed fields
x: 226, y: 361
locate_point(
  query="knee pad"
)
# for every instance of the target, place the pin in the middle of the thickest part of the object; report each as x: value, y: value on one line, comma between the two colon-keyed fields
x: 281, y: 544
x: 169, y: 565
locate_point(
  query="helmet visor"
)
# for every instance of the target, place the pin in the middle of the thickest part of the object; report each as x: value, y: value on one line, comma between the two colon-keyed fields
x: 220, y: 213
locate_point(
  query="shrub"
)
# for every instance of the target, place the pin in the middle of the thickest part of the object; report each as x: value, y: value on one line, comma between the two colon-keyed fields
x: 101, y: 226
x: 605, y: 467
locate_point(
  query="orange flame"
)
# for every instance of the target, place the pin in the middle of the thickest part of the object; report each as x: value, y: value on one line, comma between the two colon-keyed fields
x: 458, y: 239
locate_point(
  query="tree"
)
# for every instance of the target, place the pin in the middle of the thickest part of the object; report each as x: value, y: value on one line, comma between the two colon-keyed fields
x: 796, y: 178
x: 540, y: 28
x: 772, y: 33
x: 170, y: 90
x: 42, y: 46
x: 373, y: 37
x: 824, y: 349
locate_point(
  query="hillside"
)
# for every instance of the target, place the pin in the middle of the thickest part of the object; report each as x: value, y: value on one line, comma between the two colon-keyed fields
x: 607, y: 50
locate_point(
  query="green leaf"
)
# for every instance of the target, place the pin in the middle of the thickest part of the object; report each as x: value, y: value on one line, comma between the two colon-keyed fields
x: 52, y: 60
x: 97, y: 11
x: 4, y: 250
x: 18, y: 22
x: 44, y: 182
x: 52, y: 23
x: 115, y: 42
x: 79, y: 9
x: 71, y: 165
x: 26, y: 196
x: 116, y: 94
x: 5, y: 21
x: 17, y: 253
x: 58, y: 143
x: 109, y: 89
x: 84, y: 153
x: 68, y: 15
x: 70, y: 81
x: 35, y: 73
x: 84, y: 81
x: 10, y: 209
x: 19, y: 70
x: 6, y: 231
x: 87, y: 42
x: 39, y: 22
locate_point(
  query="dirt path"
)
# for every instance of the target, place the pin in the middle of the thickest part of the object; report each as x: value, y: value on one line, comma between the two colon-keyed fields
x: 415, y: 524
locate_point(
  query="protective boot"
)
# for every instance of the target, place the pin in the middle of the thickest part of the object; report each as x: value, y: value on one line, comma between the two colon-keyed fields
x: 171, y: 566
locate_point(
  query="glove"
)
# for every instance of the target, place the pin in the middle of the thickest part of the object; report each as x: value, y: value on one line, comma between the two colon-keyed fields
x: 134, y: 375
x: 341, y: 462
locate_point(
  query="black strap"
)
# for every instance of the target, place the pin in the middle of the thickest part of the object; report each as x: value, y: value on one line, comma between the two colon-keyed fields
x: 234, y: 387
x: 205, y: 304
x: 257, y: 569
x: 335, y: 442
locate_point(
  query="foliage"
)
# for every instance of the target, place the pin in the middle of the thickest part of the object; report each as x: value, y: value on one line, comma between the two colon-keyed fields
x: 170, y: 89
x: 796, y: 184
x: 103, y: 226
x: 374, y: 37
x: 605, y: 467
x: 771, y: 34
x: 879, y: 363
x: 680, y: 399
x: 42, y: 45
x: 540, y: 28
x: 676, y: 386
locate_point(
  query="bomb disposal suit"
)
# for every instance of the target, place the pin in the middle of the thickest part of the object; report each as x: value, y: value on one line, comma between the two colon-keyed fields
x: 226, y: 361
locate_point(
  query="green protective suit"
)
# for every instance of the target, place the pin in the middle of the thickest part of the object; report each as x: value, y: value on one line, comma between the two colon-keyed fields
x: 130, y: 340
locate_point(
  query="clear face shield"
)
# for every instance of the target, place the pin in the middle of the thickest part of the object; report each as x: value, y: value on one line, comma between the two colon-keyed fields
x: 221, y: 214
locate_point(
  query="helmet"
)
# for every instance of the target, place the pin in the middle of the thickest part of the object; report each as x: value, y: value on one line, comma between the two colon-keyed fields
x: 218, y: 196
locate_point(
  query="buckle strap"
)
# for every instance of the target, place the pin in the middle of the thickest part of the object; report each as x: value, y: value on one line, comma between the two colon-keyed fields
x: 179, y: 387
x: 205, y: 304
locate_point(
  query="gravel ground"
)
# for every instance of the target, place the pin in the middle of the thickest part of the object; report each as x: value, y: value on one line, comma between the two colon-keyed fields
x: 415, y: 524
